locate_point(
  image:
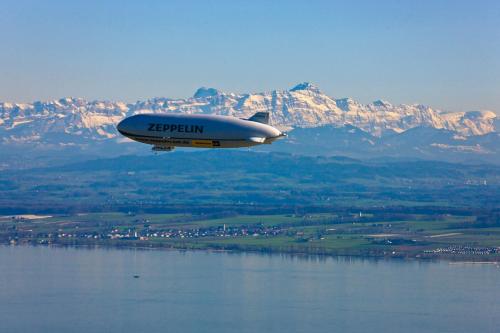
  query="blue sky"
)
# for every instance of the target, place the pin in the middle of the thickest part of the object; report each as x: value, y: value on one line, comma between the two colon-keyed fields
x: 441, y: 53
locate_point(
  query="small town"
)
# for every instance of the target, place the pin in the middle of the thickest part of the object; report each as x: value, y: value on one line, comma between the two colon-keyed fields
x: 465, y: 250
x: 147, y: 233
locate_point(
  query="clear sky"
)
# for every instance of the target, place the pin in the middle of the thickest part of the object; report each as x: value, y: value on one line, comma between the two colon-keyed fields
x: 441, y: 53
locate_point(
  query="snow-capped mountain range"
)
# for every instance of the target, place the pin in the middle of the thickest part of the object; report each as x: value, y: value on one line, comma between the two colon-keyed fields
x: 71, y: 119
x: 43, y: 133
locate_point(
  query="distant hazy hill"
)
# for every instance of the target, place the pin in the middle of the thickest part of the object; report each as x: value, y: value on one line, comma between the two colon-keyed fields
x: 316, y: 122
x: 415, y: 143
x: 244, y: 181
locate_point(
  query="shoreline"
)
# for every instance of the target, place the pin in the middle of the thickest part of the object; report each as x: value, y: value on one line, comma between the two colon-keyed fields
x: 452, y: 260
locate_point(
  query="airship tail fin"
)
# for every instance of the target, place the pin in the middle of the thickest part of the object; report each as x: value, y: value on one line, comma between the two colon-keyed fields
x: 260, y: 117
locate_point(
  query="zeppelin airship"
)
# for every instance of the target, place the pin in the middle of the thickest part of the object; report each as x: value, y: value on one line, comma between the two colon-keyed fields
x: 167, y: 131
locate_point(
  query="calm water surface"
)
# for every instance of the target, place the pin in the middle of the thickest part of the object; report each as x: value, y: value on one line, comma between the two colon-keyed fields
x: 46, y: 289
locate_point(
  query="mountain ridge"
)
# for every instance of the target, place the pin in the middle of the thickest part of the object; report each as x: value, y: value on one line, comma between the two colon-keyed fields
x: 301, y: 106
x: 87, y: 125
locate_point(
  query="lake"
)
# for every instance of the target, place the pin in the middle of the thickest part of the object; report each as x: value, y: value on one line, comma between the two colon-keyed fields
x: 74, y: 290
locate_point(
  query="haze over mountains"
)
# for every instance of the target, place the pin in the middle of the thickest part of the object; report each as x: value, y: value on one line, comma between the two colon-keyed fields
x: 317, y: 124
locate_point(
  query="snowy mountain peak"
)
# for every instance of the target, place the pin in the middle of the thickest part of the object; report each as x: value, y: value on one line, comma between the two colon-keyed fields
x: 306, y: 86
x: 382, y: 103
x: 480, y: 114
x: 346, y: 104
x: 204, y: 92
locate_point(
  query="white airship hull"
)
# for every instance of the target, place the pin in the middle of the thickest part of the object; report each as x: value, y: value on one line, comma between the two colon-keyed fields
x: 198, y: 131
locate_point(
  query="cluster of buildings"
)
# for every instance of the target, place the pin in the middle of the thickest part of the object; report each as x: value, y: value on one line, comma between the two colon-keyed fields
x: 147, y: 233
x: 465, y: 250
